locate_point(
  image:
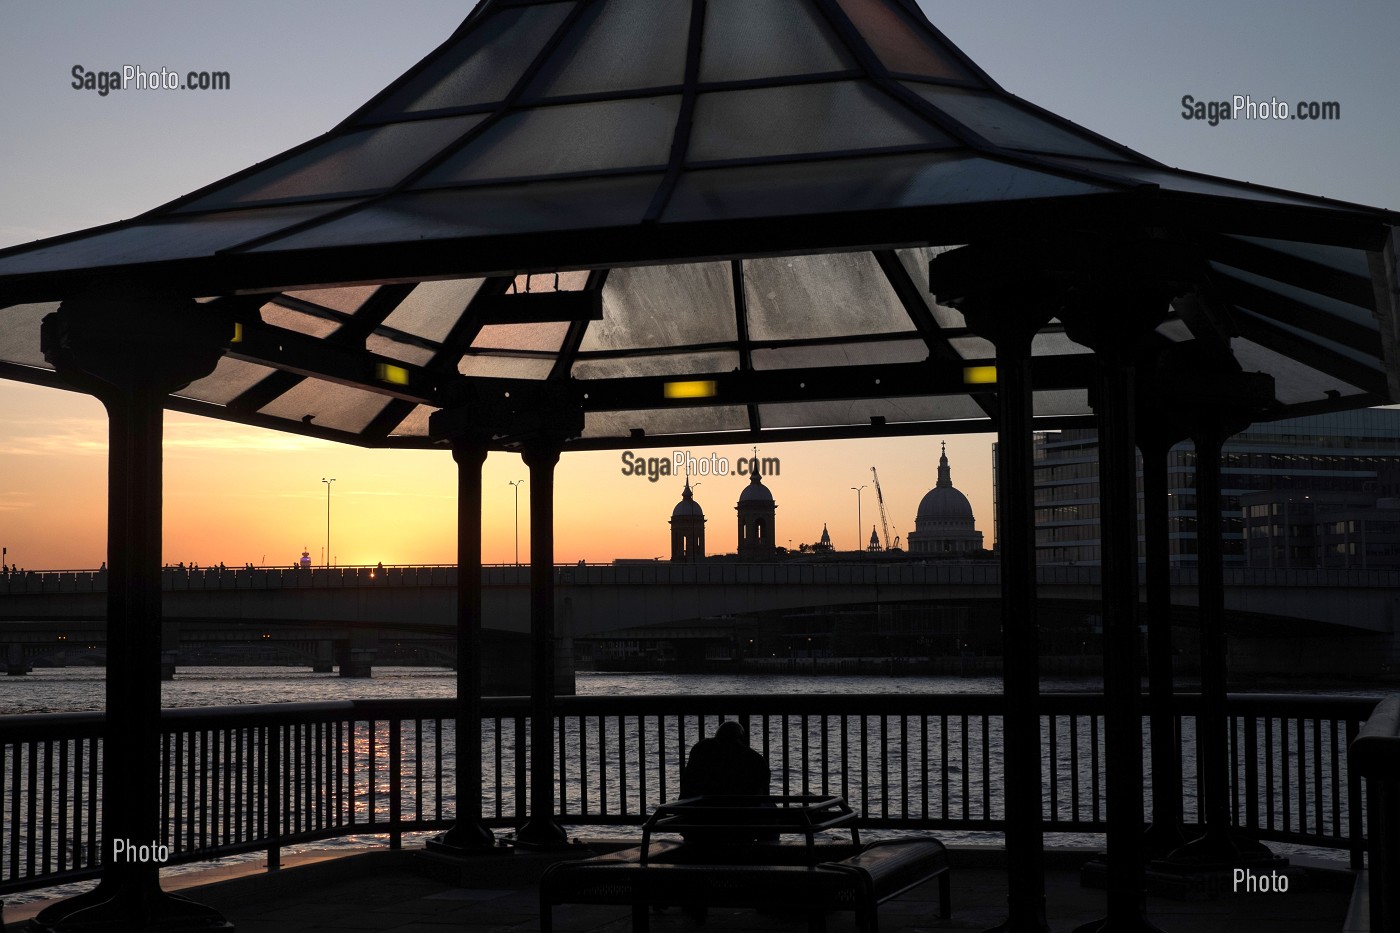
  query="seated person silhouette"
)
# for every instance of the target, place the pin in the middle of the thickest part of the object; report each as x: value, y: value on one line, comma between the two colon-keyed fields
x: 724, y: 765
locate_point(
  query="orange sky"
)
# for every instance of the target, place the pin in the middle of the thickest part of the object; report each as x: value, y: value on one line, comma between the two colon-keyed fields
x: 238, y: 494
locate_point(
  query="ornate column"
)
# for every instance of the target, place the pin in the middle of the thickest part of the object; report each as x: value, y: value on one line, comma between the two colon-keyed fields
x: 469, y: 834
x: 989, y: 285
x: 131, y: 348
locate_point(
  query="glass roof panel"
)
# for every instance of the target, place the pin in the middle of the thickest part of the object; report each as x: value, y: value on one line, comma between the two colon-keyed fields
x: 299, y: 321
x: 902, y: 45
x: 482, y: 65
x: 854, y: 184
x: 668, y: 364
x: 842, y: 412
x: 346, y: 299
x: 492, y: 211
x: 546, y: 336
x: 836, y: 294
x: 833, y: 116
x: 1056, y: 343
x: 655, y: 306
x: 745, y: 40
x: 1294, y: 382
x: 1316, y: 339
x: 1350, y: 261
x: 382, y: 345
x: 432, y: 308
x: 663, y: 421
x: 1326, y: 306
x: 915, y: 262
x: 360, y: 161
x: 416, y: 424
x: 592, y: 137
x: 1173, y: 180
x: 837, y: 355
x: 329, y: 404
x: 617, y: 46
x: 505, y: 367
x: 230, y: 379
x: 1060, y: 402
x: 971, y: 347
x: 193, y: 235
x: 1002, y: 123
x: 19, y: 333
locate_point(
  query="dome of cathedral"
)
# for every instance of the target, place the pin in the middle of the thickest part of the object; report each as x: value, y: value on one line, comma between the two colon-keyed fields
x: 944, y: 503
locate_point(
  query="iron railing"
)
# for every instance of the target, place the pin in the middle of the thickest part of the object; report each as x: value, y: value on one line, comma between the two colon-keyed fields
x: 241, y: 779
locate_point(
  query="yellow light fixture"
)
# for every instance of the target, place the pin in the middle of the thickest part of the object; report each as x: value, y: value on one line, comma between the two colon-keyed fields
x: 700, y: 388
x: 393, y: 375
x: 979, y: 375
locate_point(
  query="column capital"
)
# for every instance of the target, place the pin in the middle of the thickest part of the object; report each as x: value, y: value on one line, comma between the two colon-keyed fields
x: 130, y: 338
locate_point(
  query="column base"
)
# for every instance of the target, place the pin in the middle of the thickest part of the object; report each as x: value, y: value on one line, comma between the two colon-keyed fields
x: 467, y: 837
x: 1219, y: 849
x: 542, y: 834
x: 1162, y: 839
x: 130, y: 907
x: 1024, y: 915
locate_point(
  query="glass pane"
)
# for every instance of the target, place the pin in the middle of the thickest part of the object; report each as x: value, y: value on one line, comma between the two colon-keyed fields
x: 745, y: 40
x: 329, y: 404
x: 545, y: 336
x: 658, y: 306
x: 154, y: 242
x: 820, y: 296
x: 663, y: 421
x: 19, y: 333
x: 230, y: 379
x: 1369, y: 360
x: 347, y: 299
x: 569, y: 138
x: 798, y: 189
x: 1350, y: 261
x: 1056, y: 343
x: 669, y: 364
x: 849, y: 354
x: 1325, y: 305
x: 1170, y: 180
x: 1294, y: 382
x: 805, y: 118
x: 481, y: 66
x: 278, y: 316
x: 1060, y: 402
x: 915, y: 262
x: 843, y: 412
x: 974, y: 348
x: 900, y: 44
x: 505, y: 367
x: 416, y: 424
x: 619, y: 45
x: 432, y: 308
x: 362, y: 161
x: 542, y: 206
x: 1002, y: 123
x: 407, y: 352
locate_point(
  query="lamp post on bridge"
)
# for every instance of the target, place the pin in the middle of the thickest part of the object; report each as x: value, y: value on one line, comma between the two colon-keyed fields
x: 515, y: 484
x: 859, y: 523
x: 327, y: 555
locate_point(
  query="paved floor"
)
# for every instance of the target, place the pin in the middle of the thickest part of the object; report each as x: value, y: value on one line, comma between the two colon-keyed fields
x: 414, y: 892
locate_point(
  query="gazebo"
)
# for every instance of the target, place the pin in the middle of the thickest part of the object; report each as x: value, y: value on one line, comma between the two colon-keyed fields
x: 591, y: 224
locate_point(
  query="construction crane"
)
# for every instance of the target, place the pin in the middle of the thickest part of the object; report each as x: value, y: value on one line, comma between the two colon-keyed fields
x: 880, y: 497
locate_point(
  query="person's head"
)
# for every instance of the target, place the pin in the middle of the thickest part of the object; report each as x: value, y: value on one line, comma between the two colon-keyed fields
x: 731, y: 731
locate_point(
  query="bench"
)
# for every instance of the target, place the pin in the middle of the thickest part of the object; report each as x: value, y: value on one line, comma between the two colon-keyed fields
x: 762, y: 876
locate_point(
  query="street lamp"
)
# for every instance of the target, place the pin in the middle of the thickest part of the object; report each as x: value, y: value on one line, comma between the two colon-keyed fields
x: 516, y: 484
x: 327, y: 556
x: 859, y: 525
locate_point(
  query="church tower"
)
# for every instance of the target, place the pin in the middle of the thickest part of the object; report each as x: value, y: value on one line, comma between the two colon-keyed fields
x: 756, y: 510
x: 687, y: 528
x: 944, y: 523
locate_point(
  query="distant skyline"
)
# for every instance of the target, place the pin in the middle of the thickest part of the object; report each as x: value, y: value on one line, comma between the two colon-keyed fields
x: 72, y: 158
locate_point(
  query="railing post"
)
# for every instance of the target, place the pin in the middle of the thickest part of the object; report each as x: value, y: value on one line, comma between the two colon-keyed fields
x: 395, y: 783
x: 273, y: 792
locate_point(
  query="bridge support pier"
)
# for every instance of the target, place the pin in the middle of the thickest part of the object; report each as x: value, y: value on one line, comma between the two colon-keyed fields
x: 324, y: 662
x: 15, y: 662
x: 167, y: 665
x: 357, y: 662
x: 131, y: 348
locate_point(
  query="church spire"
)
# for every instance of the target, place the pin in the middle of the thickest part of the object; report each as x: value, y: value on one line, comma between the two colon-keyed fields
x: 945, y: 475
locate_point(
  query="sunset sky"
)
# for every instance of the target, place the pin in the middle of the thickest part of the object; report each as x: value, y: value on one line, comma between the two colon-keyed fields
x: 71, y: 159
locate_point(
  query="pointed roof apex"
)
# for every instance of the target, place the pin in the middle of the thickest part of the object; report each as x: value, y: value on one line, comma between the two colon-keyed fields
x: 945, y: 475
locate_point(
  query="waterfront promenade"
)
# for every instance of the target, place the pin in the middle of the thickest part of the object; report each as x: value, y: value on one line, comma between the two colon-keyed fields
x: 409, y: 891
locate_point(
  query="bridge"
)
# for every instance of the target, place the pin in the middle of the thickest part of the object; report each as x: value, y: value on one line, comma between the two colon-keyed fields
x: 417, y: 604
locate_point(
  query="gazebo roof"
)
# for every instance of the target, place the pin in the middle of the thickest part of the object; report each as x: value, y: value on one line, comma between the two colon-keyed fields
x: 741, y: 196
